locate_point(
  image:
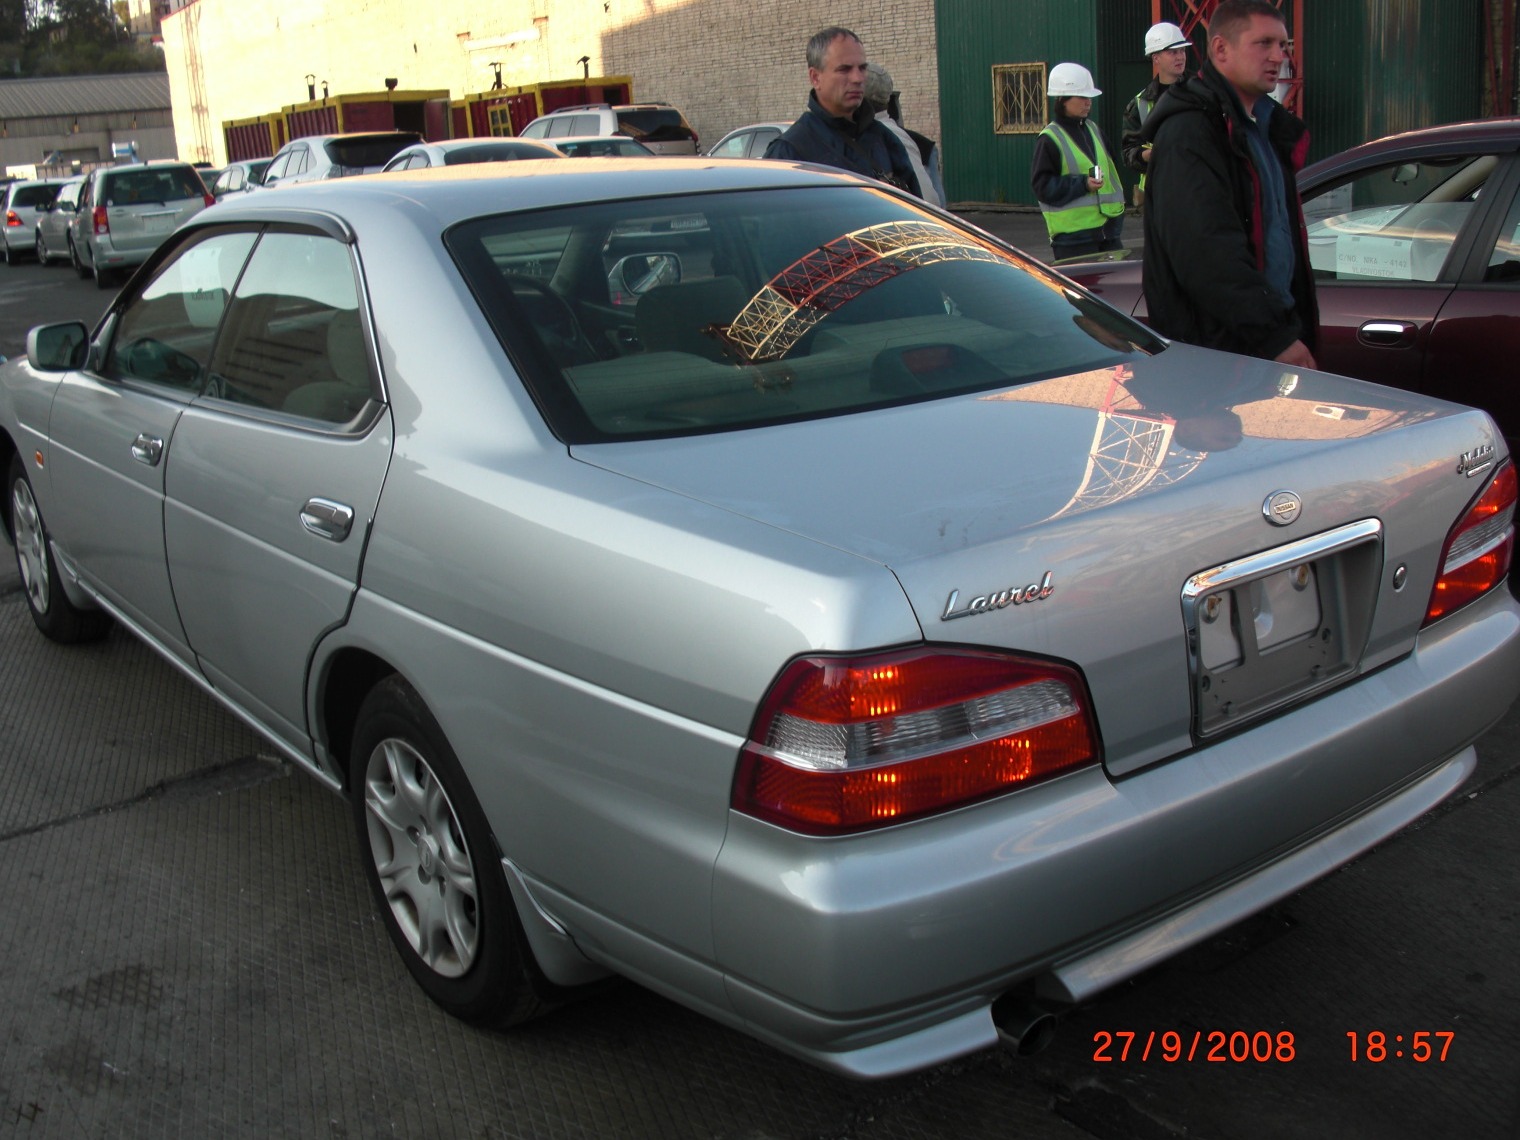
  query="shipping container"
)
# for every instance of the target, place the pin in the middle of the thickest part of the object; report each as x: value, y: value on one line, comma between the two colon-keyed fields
x: 258, y: 137
x: 426, y: 112
x: 504, y: 111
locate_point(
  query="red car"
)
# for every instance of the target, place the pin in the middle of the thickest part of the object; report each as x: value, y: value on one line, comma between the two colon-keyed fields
x: 1415, y: 244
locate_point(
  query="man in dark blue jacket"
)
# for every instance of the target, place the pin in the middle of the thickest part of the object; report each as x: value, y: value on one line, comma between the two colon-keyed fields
x: 839, y: 128
x: 1226, y: 251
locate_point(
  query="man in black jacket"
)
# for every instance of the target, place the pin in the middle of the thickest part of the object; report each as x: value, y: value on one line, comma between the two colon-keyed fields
x: 1226, y: 251
x: 839, y: 128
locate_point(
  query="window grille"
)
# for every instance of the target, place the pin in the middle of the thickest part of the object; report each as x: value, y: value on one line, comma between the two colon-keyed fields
x: 1018, y: 98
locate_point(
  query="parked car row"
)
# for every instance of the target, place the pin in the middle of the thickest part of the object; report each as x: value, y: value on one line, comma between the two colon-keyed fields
x: 106, y: 221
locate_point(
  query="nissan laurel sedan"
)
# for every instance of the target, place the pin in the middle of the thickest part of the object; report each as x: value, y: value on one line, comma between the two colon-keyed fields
x: 843, y: 625
x: 1414, y: 241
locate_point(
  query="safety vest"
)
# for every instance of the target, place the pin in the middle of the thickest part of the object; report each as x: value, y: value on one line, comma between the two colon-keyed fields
x: 1144, y: 106
x: 1092, y: 209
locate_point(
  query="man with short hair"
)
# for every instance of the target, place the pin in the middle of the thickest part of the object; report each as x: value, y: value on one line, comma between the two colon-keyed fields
x: 1226, y: 250
x: 838, y: 128
x: 1166, y: 48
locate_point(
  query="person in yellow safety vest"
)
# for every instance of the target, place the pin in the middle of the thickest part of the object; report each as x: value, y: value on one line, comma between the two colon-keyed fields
x: 1166, y: 47
x: 1073, y: 176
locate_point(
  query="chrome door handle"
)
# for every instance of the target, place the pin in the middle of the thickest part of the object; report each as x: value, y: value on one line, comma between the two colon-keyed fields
x: 1391, y: 334
x: 148, y: 449
x: 327, y: 519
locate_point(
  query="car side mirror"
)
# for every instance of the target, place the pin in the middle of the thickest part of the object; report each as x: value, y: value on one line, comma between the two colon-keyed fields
x: 1406, y: 172
x: 638, y: 273
x: 57, y: 348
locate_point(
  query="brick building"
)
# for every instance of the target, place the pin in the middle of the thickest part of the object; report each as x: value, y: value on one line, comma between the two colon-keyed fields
x: 723, y: 62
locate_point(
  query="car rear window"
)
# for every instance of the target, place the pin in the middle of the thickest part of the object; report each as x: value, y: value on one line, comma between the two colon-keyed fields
x: 159, y: 184
x: 33, y: 195
x: 368, y: 150
x: 491, y: 152
x: 693, y: 314
x: 655, y: 124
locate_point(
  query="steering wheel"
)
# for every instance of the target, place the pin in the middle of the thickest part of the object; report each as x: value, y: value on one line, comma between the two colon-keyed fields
x: 553, y: 319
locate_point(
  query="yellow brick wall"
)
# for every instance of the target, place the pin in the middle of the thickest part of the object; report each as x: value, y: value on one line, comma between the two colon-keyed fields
x: 723, y: 62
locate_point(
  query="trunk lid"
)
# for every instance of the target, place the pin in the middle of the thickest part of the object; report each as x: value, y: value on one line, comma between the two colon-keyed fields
x: 1067, y: 517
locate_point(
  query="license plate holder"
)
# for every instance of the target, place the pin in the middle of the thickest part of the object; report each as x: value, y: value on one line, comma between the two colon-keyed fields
x: 1275, y: 628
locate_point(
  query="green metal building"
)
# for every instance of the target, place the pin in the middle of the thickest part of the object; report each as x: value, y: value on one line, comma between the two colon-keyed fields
x: 1371, y: 67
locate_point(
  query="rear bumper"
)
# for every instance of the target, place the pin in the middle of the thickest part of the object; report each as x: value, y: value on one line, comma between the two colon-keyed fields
x: 879, y: 954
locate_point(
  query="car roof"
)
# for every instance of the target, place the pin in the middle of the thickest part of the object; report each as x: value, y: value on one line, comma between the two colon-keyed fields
x: 621, y: 140
x: 438, y: 197
x: 1493, y: 135
x: 353, y: 135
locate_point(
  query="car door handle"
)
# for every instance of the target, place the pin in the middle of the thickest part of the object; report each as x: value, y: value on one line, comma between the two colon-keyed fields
x: 327, y: 519
x: 1387, y: 334
x: 148, y: 449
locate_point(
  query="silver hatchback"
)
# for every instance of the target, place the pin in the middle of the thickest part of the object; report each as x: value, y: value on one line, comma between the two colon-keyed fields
x: 125, y: 213
x: 23, y: 203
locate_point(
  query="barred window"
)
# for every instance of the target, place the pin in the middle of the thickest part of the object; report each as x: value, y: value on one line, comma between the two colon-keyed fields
x: 1018, y: 98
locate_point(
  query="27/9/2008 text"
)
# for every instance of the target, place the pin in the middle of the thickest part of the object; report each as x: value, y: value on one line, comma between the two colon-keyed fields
x: 1217, y: 1045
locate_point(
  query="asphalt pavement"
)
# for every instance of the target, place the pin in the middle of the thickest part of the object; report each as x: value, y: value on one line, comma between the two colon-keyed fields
x: 190, y: 950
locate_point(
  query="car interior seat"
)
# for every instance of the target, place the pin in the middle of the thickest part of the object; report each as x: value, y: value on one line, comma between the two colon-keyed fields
x: 671, y: 318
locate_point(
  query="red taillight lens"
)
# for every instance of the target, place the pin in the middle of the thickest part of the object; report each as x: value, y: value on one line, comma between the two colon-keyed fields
x: 11, y: 219
x: 845, y: 744
x: 1478, y: 550
x: 102, y: 223
x: 210, y: 199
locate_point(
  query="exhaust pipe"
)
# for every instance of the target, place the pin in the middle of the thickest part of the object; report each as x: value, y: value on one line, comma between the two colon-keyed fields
x: 1022, y: 1026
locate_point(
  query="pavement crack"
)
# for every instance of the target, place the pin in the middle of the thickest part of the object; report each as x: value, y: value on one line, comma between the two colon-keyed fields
x: 203, y: 783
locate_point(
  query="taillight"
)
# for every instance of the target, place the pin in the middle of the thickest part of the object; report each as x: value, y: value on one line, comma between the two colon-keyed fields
x: 11, y: 219
x: 210, y: 199
x: 102, y: 223
x: 845, y: 744
x: 1478, y: 550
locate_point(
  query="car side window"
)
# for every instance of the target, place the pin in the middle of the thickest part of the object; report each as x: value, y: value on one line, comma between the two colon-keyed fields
x: 1504, y: 258
x: 165, y: 333
x: 1394, y: 223
x: 294, y: 341
x: 760, y: 141
x: 560, y: 127
x: 735, y: 147
x: 535, y: 130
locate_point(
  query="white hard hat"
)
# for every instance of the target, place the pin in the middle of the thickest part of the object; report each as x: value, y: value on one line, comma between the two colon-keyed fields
x: 1071, y: 79
x: 1165, y: 37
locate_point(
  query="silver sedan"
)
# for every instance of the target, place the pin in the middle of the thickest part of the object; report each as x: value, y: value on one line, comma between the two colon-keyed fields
x: 742, y: 579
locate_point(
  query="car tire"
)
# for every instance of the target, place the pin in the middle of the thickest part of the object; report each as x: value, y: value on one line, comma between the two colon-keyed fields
x: 57, y: 617
x: 80, y: 269
x: 10, y: 258
x: 101, y: 277
x: 432, y: 864
x: 43, y: 258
